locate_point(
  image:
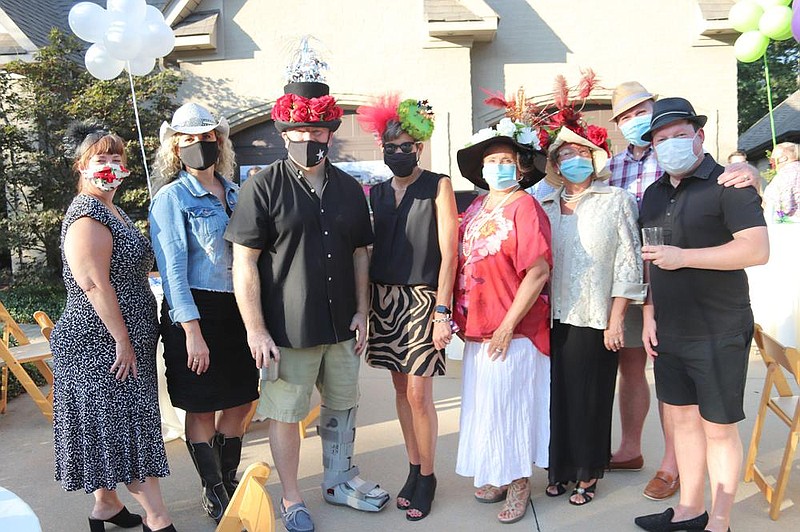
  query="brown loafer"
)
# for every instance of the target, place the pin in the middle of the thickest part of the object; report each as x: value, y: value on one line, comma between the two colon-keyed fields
x: 634, y: 464
x: 662, y: 486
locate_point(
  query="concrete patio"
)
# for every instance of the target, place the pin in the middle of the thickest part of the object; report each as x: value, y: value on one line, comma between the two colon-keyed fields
x: 26, y: 469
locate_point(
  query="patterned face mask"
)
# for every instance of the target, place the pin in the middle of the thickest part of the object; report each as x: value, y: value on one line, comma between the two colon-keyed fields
x: 106, y: 176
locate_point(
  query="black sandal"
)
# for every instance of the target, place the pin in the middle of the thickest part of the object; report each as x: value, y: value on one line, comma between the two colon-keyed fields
x: 587, y: 494
x: 407, y: 491
x: 423, y: 497
x: 561, y: 489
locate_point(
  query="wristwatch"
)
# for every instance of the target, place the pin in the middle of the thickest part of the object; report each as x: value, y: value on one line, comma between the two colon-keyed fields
x: 441, y: 309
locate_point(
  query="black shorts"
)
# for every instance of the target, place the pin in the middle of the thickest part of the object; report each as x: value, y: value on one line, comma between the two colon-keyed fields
x: 710, y: 373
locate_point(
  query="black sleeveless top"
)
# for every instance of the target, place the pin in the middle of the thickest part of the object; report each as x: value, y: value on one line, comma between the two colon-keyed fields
x: 406, y: 249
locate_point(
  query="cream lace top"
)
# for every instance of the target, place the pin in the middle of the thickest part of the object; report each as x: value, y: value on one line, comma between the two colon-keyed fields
x: 596, y: 255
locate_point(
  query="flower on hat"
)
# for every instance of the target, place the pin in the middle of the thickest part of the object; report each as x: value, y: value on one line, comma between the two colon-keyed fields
x: 298, y: 109
x: 507, y: 127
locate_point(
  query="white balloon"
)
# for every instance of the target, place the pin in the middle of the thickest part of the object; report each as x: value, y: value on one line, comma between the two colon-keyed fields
x: 123, y: 40
x: 153, y: 14
x: 141, y: 66
x: 88, y: 21
x: 127, y: 10
x: 100, y: 64
x: 157, y: 39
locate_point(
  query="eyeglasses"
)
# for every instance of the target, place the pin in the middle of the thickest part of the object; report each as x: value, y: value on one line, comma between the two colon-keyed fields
x: 406, y: 147
x: 570, y: 153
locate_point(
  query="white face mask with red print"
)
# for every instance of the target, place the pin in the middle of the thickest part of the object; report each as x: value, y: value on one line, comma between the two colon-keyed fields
x: 105, y: 176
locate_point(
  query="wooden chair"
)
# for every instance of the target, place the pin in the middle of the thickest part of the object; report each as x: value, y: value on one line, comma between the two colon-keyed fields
x: 786, y: 406
x: 12, y: 358
x: 251, y: 506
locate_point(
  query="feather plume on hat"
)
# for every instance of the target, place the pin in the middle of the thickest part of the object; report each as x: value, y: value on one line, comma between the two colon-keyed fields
x: 81, y: 134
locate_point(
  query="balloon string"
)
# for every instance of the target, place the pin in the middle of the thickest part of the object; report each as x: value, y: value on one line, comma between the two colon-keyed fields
x: 769, y: 100
x: 139, y: 130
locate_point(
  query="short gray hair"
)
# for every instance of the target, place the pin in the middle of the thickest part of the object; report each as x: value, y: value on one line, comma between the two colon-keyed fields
x: 393, y: 130
x: 786, y: 149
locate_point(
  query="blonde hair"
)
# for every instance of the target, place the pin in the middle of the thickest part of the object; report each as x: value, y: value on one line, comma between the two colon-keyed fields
x: 167, y: 164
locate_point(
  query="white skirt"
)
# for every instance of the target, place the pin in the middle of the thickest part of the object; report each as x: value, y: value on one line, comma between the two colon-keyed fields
x: 505, y: 413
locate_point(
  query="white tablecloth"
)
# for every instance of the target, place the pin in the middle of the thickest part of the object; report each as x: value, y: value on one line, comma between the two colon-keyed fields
x: 172, y: 419
x: 15, y: 515
x: 775, y: 286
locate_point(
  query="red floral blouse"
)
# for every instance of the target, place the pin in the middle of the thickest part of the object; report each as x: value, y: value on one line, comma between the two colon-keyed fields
x: 496, y: 248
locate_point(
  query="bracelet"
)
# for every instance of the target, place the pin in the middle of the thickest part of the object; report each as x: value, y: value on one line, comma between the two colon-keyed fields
x: 441, y: 320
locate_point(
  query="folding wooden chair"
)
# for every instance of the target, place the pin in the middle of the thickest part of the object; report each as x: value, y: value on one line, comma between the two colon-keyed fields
x: 786, y: 406
x: 12, y: 358
x: 251, y: 506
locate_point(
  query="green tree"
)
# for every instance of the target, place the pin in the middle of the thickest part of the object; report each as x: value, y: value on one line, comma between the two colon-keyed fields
x: 784, y: 71
x: 38, y: 100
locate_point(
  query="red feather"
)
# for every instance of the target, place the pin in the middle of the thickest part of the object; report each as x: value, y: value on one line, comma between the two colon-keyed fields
x: 587, y: 84
x: 561, y: 92
x: 496, y: 99
x: 373, y: 118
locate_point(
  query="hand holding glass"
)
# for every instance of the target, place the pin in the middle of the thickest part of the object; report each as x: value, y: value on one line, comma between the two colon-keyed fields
x: 652, y: 236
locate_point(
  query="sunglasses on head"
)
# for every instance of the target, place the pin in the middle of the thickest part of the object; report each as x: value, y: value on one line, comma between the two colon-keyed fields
x: 406, y: 147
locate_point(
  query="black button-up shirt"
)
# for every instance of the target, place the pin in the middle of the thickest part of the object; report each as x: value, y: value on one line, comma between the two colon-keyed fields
x: 692, y: 303
x: 308, y: 292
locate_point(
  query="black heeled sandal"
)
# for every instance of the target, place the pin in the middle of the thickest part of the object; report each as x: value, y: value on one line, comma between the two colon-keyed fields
x: 123, y: 519
x: 561, y: 489
x: 170, y: 528
x: 407, y: 491
x: 423, y: 497
x: 587, y: 494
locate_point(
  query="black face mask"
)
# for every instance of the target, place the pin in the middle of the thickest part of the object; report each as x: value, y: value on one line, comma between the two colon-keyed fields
x: 200, y: 155
x: 401, y: 164
x: 308, y: 153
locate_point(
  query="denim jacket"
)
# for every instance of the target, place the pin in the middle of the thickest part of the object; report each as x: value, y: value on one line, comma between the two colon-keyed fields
x: 186, y: 225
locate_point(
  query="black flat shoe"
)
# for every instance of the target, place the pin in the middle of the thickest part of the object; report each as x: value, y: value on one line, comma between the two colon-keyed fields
x: 407, y: 491
x: 561, y: 489
x: 663, y: 522
x: 423, y: 497
x: 123, y: 519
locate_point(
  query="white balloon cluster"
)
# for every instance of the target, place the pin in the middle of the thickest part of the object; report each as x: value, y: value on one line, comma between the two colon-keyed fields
x: 129, y: 34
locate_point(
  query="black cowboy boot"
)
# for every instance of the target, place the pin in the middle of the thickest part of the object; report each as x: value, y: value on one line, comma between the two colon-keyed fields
x: 206, y: 461
x: 230, y: 453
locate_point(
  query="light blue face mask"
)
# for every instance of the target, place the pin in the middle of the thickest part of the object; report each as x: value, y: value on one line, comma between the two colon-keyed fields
x: 676, y: 156
x: 634, y: 128
x: 500, y: 176
x: 577, y: 169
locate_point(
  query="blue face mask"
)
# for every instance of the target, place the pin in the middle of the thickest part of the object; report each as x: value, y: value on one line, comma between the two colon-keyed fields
x: 500, y: 176
x: 676, y: 156
x: 577, y: 169
x: 634, y: 128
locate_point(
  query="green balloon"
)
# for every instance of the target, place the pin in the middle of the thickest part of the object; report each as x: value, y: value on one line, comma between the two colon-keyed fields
x: 744, y: 15
x: 786, y: 36
x: 776, y: 21
x: 750, y: 46
x: 766, y: 4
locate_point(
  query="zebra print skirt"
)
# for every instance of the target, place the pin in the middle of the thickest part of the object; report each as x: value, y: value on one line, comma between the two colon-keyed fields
x: 401, y: 330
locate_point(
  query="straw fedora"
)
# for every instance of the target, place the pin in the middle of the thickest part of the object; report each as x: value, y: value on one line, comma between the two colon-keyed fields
x: 192, y: 119
x: 627, y: 95
x: 567, y: 136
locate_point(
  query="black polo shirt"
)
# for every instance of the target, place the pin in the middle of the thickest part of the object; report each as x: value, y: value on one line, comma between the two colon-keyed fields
x: 693, y: 303
x: 308, y: 292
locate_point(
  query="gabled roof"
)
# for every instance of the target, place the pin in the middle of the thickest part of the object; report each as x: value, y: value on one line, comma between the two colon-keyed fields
x: 787, y: 127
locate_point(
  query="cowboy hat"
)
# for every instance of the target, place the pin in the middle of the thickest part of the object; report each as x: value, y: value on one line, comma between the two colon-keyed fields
x: 192, y: 119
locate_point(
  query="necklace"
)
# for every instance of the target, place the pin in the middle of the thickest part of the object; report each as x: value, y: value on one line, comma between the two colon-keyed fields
x: 571, y: 198
x: 473, y: 229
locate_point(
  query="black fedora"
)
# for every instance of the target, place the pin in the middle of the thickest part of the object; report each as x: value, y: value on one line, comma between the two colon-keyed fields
x: 668, y: 110
x: 470, y: 161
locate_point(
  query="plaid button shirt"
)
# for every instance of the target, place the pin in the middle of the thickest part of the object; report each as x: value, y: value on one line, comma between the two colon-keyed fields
x: 632, y: 175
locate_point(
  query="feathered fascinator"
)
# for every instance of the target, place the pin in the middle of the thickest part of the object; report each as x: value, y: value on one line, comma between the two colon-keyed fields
x: 564, y: 111
x: 415, y: 116
x: 81, y: 135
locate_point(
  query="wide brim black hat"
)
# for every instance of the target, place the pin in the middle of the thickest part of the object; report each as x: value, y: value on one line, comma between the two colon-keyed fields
x: 307, y: 89
x: 669, y: 110
x: 470, y: 161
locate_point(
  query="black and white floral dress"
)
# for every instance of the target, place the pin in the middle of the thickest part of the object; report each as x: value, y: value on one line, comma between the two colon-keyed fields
x: 107, y: 431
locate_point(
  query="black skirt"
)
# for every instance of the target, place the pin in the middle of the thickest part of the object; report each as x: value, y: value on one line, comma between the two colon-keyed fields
x: 231, y: 378
x: 583, y: 377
